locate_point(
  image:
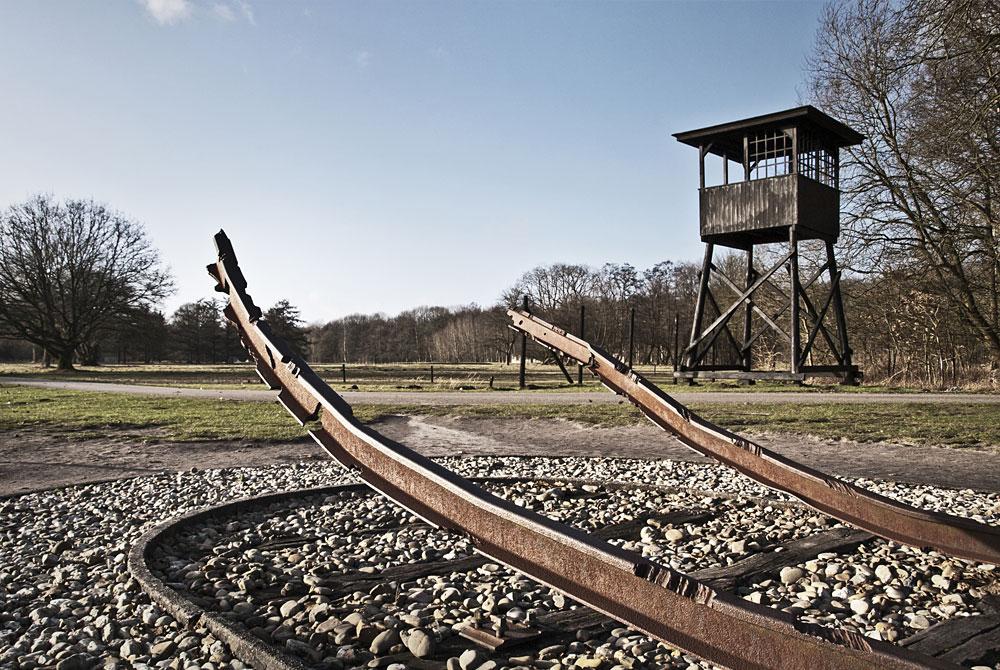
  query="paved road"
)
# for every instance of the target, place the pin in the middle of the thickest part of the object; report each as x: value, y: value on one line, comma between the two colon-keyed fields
x: 519, y: 397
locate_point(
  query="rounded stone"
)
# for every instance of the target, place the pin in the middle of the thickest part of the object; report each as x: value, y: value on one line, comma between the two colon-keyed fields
x: 470, y: 659
x: 384, y: 641
x: 791, y: 574
x: 420, y: 643
x: 884, y: 573
x: 860, y: 606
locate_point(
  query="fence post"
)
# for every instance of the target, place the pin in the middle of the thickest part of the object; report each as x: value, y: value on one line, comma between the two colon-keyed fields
x: 432, y: 374
x: 524, y: 348
x: 677, y: 328
x: 343, y: 372
x: 631, y: 336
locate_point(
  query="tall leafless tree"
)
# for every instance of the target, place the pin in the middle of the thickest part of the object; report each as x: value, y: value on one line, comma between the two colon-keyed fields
x: 68, y: 268
x: 921, y: 79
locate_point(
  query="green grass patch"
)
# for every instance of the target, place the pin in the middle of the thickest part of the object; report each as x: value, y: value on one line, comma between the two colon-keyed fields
x: 413, y: 377
x: 83, y: 415
x: 975, y: 425
x: 80, y: 415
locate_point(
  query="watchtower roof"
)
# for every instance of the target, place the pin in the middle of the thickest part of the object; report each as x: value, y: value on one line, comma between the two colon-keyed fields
x: 726, y: 139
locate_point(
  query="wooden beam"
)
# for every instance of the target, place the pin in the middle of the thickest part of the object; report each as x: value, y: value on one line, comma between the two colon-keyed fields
x: 699, y: 308
x: 725, y: 316
x: 838, y: 309
x: 732, y: 338
x: 814, y: 315
x: 769, y: 320
x: 818, y: 325
x: 746, y: 158
x: 569, y: 377
x: 747, y: 349
x: 701, y: 167
x: 795, y: 348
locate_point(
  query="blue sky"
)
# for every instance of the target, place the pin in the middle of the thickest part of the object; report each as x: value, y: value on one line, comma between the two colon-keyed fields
x: 376, y: 156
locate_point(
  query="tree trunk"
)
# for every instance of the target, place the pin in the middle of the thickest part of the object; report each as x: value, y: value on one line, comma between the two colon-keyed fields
x: 66, y: 360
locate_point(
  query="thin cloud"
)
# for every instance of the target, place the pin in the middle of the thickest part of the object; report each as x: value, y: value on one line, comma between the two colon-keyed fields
x: 224, y: 12
x: 167, y: 12
x: 247, y: 11
x: 363, y: 58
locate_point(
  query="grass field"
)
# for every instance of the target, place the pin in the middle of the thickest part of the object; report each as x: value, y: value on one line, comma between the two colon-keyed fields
x: 81, y: 415
x: 397, y: 377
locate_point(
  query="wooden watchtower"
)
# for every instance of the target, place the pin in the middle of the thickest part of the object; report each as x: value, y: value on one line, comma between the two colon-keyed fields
x: 789, y: 192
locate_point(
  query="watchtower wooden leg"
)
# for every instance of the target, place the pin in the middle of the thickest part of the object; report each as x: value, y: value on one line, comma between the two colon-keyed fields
x: 691, y: 356
x: 747, y: 346
x: 796, y: 346
x: 850, y: 378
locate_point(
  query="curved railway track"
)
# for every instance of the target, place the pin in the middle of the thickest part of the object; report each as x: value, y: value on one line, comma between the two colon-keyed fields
x: 883, y: 516
x: 256, y: 525
x: 675, y: 608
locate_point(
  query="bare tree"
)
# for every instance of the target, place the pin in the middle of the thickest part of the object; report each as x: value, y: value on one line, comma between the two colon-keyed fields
x: 921, y: 79
x: 69, y: 268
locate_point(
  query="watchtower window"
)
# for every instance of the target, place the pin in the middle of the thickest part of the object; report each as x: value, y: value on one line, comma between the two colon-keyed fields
x: 816, y: 161
x: 769, y: 154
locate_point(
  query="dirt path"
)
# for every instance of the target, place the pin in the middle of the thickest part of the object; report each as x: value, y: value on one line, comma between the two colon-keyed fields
x: 30, y: 461
x: 520, y: 397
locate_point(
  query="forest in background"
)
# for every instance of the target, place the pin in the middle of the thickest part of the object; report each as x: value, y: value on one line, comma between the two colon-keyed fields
x: 902, y: 330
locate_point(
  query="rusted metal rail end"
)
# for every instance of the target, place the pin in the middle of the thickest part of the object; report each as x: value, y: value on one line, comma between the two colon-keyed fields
x: 877, y: 514
x: 653, y: 598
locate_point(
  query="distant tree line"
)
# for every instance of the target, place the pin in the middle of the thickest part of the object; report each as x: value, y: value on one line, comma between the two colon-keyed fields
x: 476, y: 334
x: 197, y: 332
x: 903, y: 329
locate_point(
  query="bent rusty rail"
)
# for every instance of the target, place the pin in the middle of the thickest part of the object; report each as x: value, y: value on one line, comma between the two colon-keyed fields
x: 649, y: 596
x: 877, y: 514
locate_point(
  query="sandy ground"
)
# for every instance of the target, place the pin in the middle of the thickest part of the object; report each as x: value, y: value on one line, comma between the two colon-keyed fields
x: 518, y: 397
x: 34, y: 460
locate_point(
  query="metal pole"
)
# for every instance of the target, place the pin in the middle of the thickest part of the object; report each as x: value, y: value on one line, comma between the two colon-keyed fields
x: 432, y: 374
x: 579, y: 368
x: 524, y: 348
x: 631, y: 336
x: 343, y: 372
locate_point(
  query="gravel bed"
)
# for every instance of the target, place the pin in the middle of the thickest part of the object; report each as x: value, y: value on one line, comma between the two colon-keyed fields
x: 67, y: 601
